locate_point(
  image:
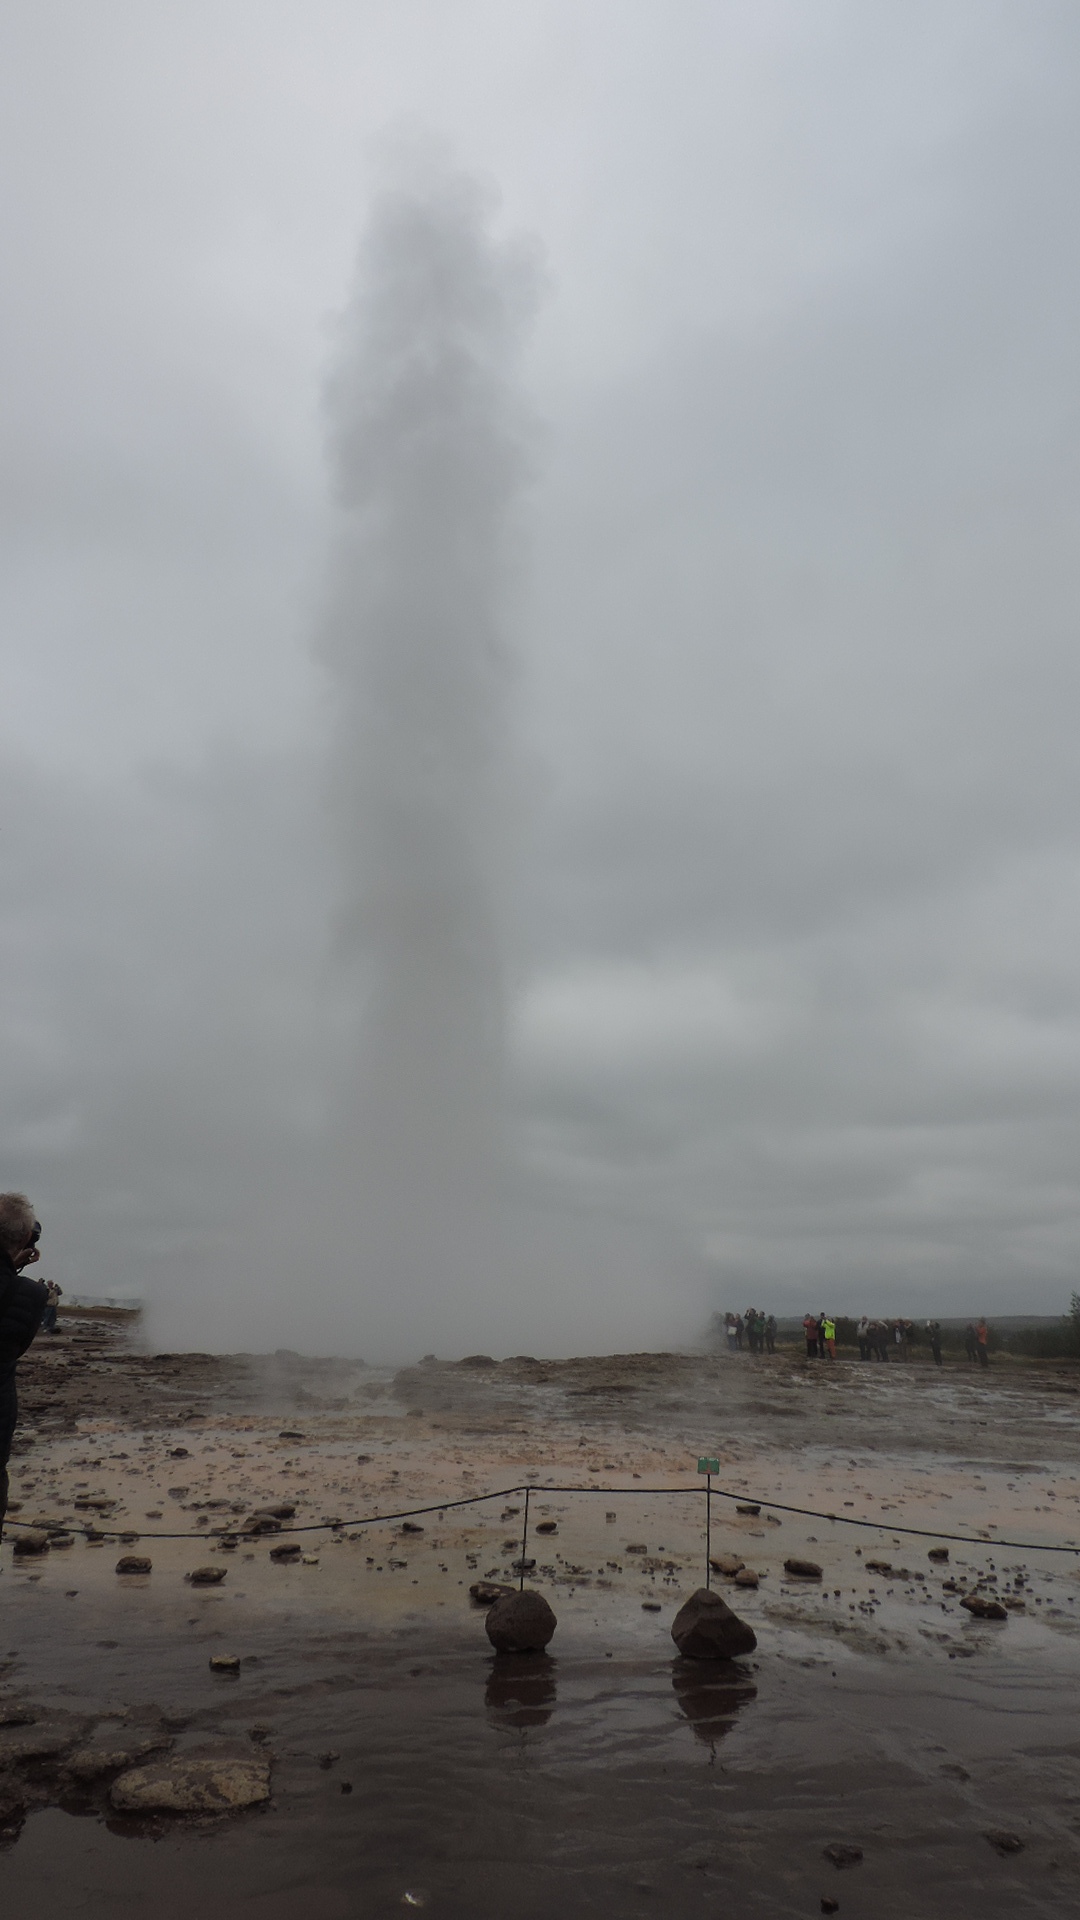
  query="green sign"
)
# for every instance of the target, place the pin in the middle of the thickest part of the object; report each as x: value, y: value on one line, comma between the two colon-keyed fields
x: 708, y: 1466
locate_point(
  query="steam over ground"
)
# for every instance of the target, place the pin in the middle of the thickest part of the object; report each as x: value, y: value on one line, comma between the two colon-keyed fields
x: 548, y: 802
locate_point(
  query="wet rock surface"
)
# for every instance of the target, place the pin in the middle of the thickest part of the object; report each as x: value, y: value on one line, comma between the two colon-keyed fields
x: 207, y: 1779
x: 706, y: 1628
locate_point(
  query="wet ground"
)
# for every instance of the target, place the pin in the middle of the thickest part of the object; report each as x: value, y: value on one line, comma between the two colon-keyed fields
x: 612, y: 1776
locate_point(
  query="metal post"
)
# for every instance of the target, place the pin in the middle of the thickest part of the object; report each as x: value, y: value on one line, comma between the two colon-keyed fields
x: 708, y: 1529
x: 524, y: 1543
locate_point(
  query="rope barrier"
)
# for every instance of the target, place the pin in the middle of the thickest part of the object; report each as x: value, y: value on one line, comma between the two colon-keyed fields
x: 527, y: 1488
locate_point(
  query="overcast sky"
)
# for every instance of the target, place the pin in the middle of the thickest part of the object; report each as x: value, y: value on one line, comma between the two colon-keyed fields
x: 796, y: 1007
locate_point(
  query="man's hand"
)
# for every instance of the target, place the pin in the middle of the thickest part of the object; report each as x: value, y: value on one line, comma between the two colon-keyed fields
x: 26, y: 1258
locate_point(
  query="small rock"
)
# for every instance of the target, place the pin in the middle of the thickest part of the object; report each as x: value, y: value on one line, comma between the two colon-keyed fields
x: 326, y: 1760
x: 746, y: 1577
x: 285, y: 1553
x: 486, y: 1592
x: 1004, y: 1841
x: 843, y: 1856
x: 984, y: 1608
x: 133, y: 1563
x: 206, y: 1576
x: 705, y: 1628
x: 803, y: 1569
x: 35, y: 1540
x: 410, y: 1526
x: 748, y: 1506
x: 650, y: 1606
x: 290, y: 1433
x: 938, y: 1553
x: 878, y: 1566
x: 638, y: 1547
x: 224, y: 1663
x: 520, y: 1623
x: 548, y: 1526
x: 727, y: 1563
x: 203, y: 1780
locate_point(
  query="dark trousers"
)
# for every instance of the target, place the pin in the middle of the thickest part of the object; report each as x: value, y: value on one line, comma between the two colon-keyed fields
x: 9, y: 1408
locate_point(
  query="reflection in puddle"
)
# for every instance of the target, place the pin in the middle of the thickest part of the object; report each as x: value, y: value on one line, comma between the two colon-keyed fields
x: 521, y: 1690
x: 710, y: 1695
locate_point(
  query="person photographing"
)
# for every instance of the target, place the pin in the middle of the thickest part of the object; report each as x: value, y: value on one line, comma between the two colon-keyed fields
x: 22, y: 1305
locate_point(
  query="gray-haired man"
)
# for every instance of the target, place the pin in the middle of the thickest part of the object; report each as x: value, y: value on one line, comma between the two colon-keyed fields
x: 22, y: 1303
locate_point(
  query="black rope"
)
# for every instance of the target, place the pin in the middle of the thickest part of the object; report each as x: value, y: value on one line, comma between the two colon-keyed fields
x: 503, y: 1493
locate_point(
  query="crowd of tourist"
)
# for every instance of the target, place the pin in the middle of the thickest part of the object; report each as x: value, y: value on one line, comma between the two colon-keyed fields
x: 885, y: 1340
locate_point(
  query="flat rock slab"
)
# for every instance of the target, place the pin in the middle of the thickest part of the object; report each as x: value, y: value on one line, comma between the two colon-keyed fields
x: 33, y: 1540
x: 727, y: 1563
x: 93, y: 1763
x: 218, y: 1779
x: 520, y: 1622
x: 705, y: 1628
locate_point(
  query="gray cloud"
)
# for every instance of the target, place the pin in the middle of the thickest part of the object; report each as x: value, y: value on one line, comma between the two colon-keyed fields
x: 791, y: 922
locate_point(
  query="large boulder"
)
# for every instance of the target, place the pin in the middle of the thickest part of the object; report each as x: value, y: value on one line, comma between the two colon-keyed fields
x: 705, y: 1628
x: 218, y: 1779
x: 520, y: 1622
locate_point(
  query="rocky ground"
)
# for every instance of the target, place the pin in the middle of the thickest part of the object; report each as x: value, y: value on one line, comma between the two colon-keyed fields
x: 272, y: 1603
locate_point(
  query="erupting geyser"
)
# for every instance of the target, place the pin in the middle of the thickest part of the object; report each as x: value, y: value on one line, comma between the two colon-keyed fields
x: 426, y: 436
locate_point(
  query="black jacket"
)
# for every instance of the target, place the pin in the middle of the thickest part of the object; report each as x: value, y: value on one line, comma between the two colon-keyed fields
x: 22, y: 1303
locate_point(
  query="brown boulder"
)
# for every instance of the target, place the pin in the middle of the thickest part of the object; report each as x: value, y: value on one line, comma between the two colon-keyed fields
x: 984, y: 1608
x: 705, y: 1628
x: 727, y: 1563
x: 206, y: 1576
x: 133, y: 1563
x: 520, y: 1623
x: 803, y: 1569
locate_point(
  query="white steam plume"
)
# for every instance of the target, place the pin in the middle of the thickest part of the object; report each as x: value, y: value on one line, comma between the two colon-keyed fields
x: 427, y: 437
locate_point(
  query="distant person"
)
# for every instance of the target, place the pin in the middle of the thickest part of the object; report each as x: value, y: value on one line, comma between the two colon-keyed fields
x: 738, y: 1332
x: 862, y: 1335
x: 899, y: 1342
x: 828, y: 1333
x: 770, y: 1334
x: 22, y: 1304
x: 729, y: 1330
x: 971, y: 1342
x: 982, y: 1341
x: 48, y: 1318
x: 821, y: 1336
x: 933, y: 1328
x: 809, y: 1327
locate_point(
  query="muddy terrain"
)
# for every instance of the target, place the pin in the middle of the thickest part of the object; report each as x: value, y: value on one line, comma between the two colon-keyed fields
x: 915, y: 1695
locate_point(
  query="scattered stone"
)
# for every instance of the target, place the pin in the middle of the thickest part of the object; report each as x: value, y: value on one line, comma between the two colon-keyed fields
x: 326, y: 1760
x: 638, y: 1547
x: 803, y: 1569
x: 984, y: 1608
x: 705, y: 1628
x: 203, y: 1780
x: 843, y: 1856
x: 938, y: 1553
x: 520, y: 1623
x: 548, y: 1526
x: 746, y: 1577
x: 1003, y: 1841
x: 133, y: 1563
x: 878, y: 1566
x: 290, y: 1433
x: 35, y: 1540
x: 650, y: 1606
x: 726, y: 1563
x: 748, y: 1506
x: 224, y: 1663
x: 178, y: 1453
x: 206, y: 1576
x: 286, y: 1553
x: 486, y: 1592
x: 410, y: 1526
